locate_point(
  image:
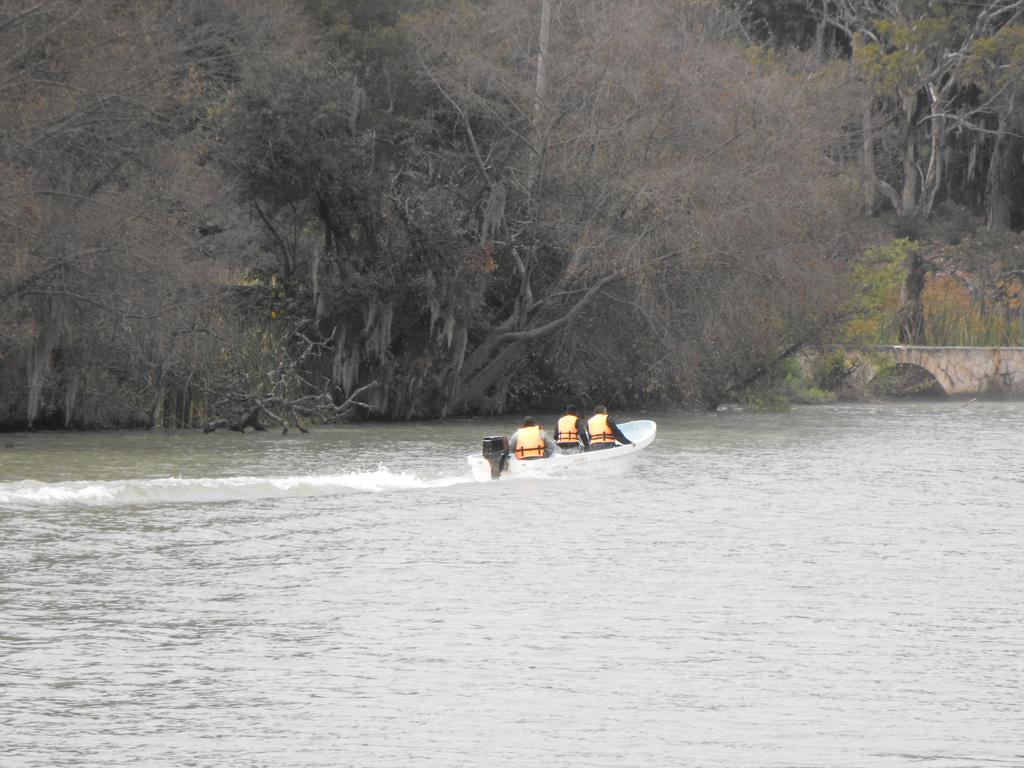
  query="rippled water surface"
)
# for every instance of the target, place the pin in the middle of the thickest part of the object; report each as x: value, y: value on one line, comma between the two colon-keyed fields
x: 835, y: 586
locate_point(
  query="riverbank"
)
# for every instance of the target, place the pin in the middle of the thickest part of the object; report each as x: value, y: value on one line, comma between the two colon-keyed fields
x: 834, y: 373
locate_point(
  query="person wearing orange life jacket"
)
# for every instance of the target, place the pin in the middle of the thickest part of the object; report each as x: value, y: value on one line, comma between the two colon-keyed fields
x: 604, y: 432
x: 530, y: 441
x: 571, y: 433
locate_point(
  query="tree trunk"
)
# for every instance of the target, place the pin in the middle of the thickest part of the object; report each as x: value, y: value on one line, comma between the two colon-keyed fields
x: 933, y: 177
x: 71, y: 389
x: 540, y: 97
x: 322, y: 262
x: 870, y: 179
x: 997, y: 183
x: 872, y: 184
x: 160, y: 393
x: 474, y: 393
x: 911, y: 314
x: 542, y: 60
x: 46, y: 342
x: 820, y: 28
x: 480, y: 372
x: 908, y: 202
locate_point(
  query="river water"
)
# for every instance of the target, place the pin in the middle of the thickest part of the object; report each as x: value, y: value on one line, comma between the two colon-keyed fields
x: 835, y: 586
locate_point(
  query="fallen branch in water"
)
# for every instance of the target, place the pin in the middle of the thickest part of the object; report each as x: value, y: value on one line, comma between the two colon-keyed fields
x: 254, y: 391
x: 320, y: 408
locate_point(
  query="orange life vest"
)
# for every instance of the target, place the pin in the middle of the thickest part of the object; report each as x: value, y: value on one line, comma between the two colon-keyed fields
x: 600, y: 432
x: 529, y: 443
x: 566, y: 431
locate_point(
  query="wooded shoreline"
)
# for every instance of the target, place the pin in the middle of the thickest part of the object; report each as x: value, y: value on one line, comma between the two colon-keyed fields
x: 215, y: 213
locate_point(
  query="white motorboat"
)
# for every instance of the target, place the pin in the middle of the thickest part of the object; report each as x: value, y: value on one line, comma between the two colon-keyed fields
x: 495, y: 462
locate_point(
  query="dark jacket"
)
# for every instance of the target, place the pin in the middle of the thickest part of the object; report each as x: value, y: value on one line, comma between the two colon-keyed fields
x: 618, y: 432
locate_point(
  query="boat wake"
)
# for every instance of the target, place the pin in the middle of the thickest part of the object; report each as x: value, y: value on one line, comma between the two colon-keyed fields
x: 172, y: 490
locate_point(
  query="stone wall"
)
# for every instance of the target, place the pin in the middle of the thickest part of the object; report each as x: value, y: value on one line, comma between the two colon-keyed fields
x: 993, y: 371
x: 959, y: 371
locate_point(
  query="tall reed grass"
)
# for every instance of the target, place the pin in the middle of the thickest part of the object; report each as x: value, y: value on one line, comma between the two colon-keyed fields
x: 953, y: 319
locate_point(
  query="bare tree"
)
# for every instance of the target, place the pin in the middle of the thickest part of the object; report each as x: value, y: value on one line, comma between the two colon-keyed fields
x: 119, y: 238
x: 635, y: 170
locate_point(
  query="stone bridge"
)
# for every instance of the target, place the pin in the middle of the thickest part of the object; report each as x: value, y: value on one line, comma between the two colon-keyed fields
x: 965, y: 371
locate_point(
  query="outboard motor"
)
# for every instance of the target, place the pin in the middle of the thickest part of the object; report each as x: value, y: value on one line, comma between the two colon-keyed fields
x: 495, y: 450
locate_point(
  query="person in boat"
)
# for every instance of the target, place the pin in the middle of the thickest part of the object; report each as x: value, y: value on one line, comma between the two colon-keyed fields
x: 571, y: 432
x: 604, y: 432
x: 530, y: 441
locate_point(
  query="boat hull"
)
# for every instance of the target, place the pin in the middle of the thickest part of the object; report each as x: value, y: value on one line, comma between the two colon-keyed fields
x: 609, y: 461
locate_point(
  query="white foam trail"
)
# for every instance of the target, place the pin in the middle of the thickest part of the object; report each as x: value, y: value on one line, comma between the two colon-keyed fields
x: 208, y: 489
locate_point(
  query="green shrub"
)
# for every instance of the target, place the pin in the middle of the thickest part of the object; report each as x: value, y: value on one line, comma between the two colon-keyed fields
x: 831, y: 370
x: 877, y: 278
x: 784, y: 385
x: 770, y: 402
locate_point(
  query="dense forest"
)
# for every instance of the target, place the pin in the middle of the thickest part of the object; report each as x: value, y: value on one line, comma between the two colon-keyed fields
x: 229, y: 212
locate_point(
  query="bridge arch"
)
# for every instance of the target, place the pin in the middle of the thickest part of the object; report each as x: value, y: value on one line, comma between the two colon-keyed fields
x: 908, y: 380
x: 965, y: 371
